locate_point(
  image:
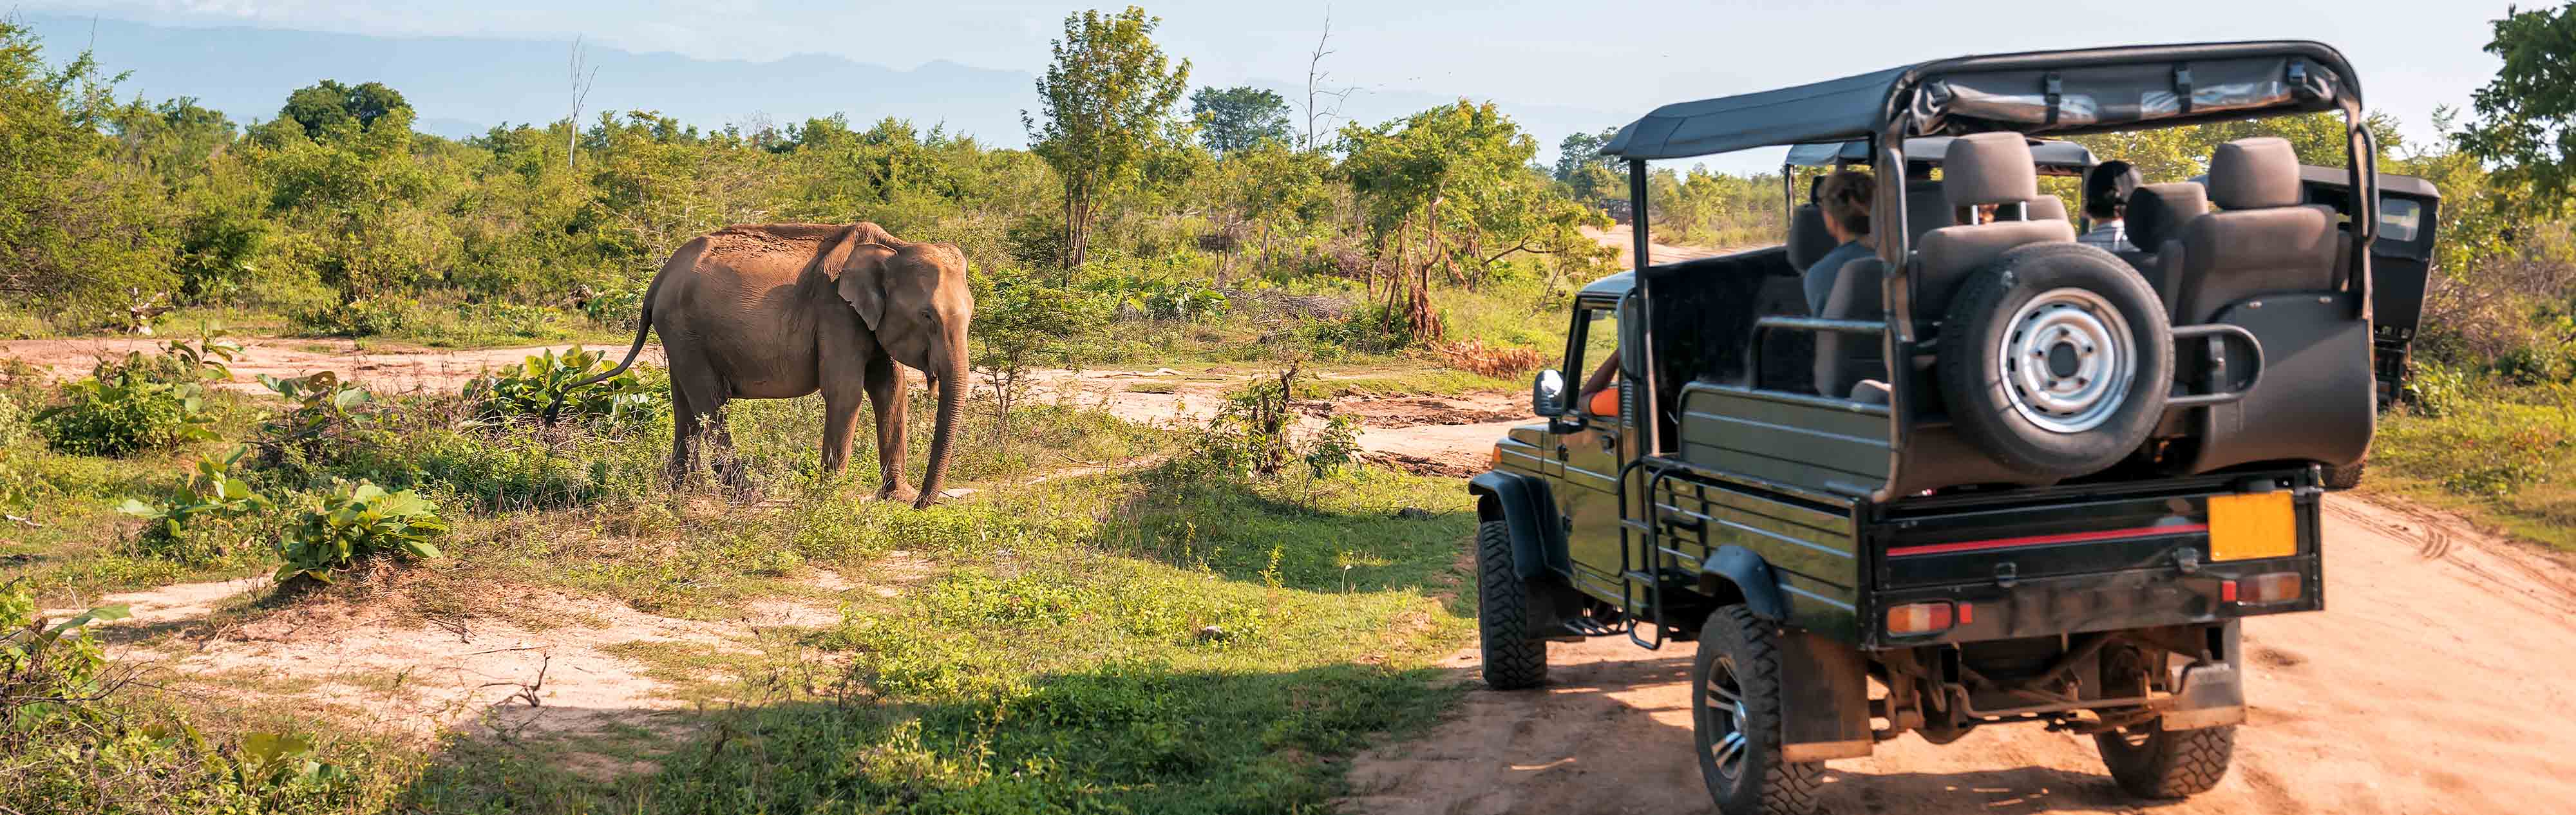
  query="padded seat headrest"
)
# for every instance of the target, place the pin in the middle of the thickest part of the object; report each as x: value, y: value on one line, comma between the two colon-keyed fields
x: 2047, y: 208
x: 1993, y: 168
x: 2254, y: 173
x: 1808, y: 238
x: 2158, y: 211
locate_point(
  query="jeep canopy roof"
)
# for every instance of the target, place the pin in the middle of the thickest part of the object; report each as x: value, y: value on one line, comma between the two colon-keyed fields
x: 1931, y: 149
x: 2042, y: 92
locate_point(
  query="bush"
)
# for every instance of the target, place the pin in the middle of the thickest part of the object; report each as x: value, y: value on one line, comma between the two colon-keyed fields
x: 319, y: 429
x: 199, y: 528
x: 537, y: 384
x: 124, y: 414
x: 357, y: 520
x: 47, y: 672
x: 363, y: 317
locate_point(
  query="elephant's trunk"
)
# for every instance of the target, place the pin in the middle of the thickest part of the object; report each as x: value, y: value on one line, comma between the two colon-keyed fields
x: 952, y: 393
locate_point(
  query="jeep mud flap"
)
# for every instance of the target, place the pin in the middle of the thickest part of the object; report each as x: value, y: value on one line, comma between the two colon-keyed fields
x: 1824, y: 698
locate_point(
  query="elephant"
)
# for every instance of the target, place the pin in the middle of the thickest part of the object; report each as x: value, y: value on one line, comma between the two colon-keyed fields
x: 779, y: 311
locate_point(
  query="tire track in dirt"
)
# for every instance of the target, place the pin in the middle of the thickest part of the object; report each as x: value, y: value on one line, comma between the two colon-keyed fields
x: 2434, y: 682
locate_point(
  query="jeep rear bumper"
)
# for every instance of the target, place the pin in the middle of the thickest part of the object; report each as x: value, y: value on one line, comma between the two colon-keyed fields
x: 2109, y: 601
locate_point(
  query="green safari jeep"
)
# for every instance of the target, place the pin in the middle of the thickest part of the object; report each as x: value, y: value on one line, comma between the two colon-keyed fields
x: 2001, y: 476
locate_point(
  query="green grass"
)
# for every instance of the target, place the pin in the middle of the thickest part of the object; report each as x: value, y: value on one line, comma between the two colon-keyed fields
x: 2504, y: 456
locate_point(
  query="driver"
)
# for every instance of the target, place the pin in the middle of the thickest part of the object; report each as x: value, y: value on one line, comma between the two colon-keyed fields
x: 1596, y: 396
x: 1845, y: 199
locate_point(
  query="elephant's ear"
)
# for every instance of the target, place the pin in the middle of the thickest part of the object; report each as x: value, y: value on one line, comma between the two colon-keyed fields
x: 860, y: 276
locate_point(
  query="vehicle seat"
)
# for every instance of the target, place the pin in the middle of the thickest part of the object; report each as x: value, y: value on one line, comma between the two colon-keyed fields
x: 2268, y: 264
x: 2156, y: 214
x: 1808, y: 238
x: 1927, y: 208
x: 1984, y: 168
x: 2261, y: 240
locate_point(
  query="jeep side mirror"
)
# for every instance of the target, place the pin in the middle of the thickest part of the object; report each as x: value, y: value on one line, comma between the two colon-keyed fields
x: 1547, y: 394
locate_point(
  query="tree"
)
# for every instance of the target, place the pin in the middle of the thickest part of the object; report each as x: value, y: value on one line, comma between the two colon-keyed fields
x: 1106, y: 99
x: 1580, y: 164
x: 79, y: 229
x: 1444, y: 181
x: 317, y: 107
x: 2523, y: 114
x: 1233, y: 119
x: 1020, y: 323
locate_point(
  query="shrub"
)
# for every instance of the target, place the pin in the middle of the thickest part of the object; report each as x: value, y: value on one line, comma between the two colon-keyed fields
x: 317, y: 430
x: 538, y: 383
x: 362, y: 317
x: 124, y: 414
x: 47, y: 672
x: 356, y: 520
x: 1255, y: 433
x: 197, y: 528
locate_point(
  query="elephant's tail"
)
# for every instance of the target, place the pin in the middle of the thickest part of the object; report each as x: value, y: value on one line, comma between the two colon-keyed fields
x: 643, y: 327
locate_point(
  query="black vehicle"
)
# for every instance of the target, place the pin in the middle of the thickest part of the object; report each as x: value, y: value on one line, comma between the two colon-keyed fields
x: 2002, y: 477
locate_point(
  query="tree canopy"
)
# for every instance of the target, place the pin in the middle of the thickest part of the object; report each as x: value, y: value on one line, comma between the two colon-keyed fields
x: 1107, y: 101
x: 317, y: 107
x: 2523, y: 114
x: 1233, y: 119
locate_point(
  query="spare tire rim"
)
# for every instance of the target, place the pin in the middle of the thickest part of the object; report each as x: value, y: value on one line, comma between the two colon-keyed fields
x: 2068, y: 360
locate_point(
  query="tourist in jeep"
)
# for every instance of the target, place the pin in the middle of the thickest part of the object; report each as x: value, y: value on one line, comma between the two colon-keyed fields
x: 2106, y: 198
x: 1845, y: 200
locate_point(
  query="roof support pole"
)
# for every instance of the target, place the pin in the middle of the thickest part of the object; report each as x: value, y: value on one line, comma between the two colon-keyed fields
x: 1637, y: 215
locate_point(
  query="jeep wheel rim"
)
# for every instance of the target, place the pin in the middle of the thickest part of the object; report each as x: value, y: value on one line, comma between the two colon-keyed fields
x: 1722, y: 712
x: 2068, y: 360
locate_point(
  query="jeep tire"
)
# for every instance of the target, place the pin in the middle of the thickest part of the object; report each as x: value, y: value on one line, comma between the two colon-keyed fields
x: 1513, y: 660
x: 1735, y: 720
x: 2152, y: 762
x: 2056, y: 359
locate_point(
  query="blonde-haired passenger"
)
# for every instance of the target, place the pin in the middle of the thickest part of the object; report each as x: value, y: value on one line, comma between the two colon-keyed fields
x: 1845, y: 198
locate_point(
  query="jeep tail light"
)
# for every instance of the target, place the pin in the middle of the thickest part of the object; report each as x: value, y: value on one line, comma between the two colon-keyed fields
x: 1495, y: 461
x: 1918, y: 618
x: 2272, y: 587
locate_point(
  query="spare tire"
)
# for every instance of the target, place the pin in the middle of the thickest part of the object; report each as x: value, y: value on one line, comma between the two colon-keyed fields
x: 2056, y: 359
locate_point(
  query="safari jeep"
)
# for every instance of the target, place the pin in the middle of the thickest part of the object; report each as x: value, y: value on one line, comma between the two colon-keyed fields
x: 2002, y: 477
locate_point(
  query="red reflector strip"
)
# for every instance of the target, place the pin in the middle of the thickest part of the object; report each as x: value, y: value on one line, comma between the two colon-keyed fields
x: 1967, y: 613
x: 2227, y: 591
x: 2047, y: 540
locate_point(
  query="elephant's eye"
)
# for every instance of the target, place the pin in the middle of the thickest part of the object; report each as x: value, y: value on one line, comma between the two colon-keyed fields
x: 926, y: 314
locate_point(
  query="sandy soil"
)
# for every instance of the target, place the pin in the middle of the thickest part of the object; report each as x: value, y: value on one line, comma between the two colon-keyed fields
x: 2436, y: 682
x: 387, y: 371
x: 1660, y: 253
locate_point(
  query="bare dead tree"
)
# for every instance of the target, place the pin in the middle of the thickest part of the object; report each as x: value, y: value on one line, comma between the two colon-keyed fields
x: 1317, y: 87
x: 580, y: 92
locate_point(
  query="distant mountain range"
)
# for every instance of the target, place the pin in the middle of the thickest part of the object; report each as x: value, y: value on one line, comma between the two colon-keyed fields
x: 462, y: 86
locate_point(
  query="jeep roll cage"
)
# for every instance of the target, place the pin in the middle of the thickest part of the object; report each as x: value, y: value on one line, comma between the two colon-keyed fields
x: 2040, y: 93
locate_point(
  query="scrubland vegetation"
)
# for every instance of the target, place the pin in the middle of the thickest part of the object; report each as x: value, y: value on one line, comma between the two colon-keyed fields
x: 1202, y: 619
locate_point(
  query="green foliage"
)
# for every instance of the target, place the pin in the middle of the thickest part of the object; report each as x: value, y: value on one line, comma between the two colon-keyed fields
x: 195, y: 529
x: 1021, y: 323
x: 327, y: 424
x: 544, y: 382
x: 362, y: 317
x: 1255, y: 433
x: 354, y: 520
x: 122, y: 411
x: 1234, y: 119
x: 47, y: 669
x: 2523, y: 113
x: 85, y: 232
x: 322, y: 108
x: 1107, y: 101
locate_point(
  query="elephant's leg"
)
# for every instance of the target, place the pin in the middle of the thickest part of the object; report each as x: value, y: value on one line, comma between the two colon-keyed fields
x: 841, y: 398
x: 886, y: 392
x: 701, y: 396
x: 684, y: 436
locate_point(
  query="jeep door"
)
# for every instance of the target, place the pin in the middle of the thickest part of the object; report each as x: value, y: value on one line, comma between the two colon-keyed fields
x: 1592, y: 448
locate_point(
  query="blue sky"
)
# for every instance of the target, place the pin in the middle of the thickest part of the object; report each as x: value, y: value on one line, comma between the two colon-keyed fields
x: 1620, y: 56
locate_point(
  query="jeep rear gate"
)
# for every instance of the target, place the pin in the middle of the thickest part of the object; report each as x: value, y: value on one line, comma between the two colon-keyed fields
x: 2094, y: 558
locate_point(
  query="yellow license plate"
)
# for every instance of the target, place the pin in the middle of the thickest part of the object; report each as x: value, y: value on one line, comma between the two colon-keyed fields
x: 2260, y: 524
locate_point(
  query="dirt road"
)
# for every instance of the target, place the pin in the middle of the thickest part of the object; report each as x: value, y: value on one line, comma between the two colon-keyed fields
x: 387, y: 370
x: 1618, y: 237
x: 2438, y: 681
